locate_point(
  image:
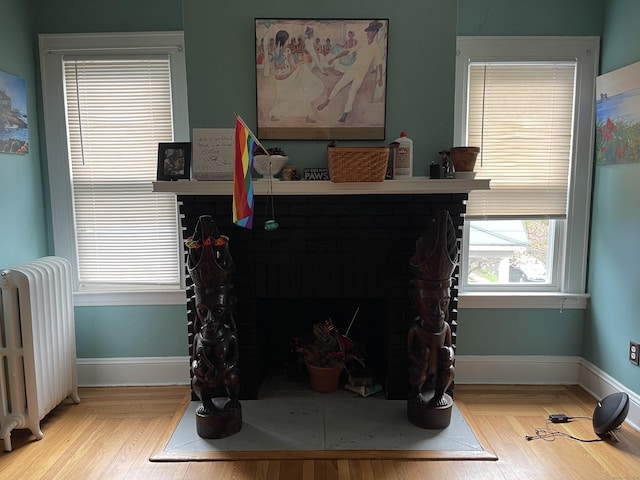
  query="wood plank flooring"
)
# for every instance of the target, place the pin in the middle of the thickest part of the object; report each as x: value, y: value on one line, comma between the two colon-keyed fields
x: 112, y: 433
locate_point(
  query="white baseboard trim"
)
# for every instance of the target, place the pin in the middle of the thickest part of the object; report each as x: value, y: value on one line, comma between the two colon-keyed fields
x: 133, y: 371
x: 544, y: 370
x: 517, y: 369
x: 470, y: 369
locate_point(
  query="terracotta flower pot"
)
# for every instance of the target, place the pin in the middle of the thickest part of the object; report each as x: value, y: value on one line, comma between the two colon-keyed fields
x: 464, y: 158
x: 324, y: 379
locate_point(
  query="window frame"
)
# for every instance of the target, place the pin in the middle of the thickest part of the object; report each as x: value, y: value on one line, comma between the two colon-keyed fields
x: 52, y: 48
x: 570, y: 263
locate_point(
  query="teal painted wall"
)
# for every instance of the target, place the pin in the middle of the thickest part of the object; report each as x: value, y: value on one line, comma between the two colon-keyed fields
x: 22, y: 205
x: 79, y: 16
x: 508, y: 331
x: 420, y: 101
x: 105, y: 332
x: 220, y: 50
x: 524, y: 331
x: 136, y: 331
x: 621, y: 35
x: 614, y: 260
x: 527, y: 17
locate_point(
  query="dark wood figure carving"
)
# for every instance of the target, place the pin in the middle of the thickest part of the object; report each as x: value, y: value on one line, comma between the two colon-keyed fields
x: 215, y: 355
x: 429, y: 339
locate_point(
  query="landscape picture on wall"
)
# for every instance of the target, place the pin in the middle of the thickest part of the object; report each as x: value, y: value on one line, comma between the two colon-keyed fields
x: 14, y: 133
x: 618, y: 116
x: 321, y: 79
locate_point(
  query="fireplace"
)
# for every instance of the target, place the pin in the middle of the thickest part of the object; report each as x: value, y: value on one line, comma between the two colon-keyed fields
x: 330, y: 255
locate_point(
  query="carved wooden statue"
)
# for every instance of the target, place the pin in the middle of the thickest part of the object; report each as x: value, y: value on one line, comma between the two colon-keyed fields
x: 429, y: 339
x: 215, y: 355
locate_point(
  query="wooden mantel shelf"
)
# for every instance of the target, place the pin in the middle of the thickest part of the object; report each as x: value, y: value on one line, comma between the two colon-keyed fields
x: 416, y: 185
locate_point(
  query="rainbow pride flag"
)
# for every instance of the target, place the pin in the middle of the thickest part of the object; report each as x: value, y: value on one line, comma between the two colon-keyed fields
x: 242, y: 184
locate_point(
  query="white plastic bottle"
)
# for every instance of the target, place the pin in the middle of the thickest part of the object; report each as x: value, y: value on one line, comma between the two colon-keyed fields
x: 403, y: 164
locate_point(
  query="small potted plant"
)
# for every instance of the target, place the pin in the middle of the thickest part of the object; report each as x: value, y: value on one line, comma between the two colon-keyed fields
x: 464, y: 161
x: 326, y: 353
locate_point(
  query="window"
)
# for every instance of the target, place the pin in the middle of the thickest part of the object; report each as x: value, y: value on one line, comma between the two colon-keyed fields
x: 528, y: 104
x: 109, y: 100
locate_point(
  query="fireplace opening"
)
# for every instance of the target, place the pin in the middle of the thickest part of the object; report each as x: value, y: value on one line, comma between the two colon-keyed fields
x: 331, y: 254
x: 279, y: 320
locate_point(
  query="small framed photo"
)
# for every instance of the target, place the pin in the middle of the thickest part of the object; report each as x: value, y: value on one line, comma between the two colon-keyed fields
x: 174, y: 161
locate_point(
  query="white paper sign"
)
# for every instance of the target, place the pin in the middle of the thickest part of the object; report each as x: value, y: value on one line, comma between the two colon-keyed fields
x: 213, y: 153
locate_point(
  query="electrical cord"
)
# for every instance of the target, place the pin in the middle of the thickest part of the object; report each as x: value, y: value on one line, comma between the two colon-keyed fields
x: 549, y: 434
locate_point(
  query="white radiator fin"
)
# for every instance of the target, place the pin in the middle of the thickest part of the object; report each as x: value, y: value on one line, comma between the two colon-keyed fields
x: 37, y: 344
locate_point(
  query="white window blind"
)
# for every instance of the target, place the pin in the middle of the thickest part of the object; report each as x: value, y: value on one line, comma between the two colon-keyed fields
x: 118, y: 110
x: 521, y: 116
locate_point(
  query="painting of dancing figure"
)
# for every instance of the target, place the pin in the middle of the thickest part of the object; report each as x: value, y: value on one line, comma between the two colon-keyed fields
x: 321, y: 79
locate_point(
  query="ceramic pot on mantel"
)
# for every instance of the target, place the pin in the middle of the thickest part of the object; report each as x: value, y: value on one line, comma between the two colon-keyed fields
x: 464, y: 158
x: 324, y: 379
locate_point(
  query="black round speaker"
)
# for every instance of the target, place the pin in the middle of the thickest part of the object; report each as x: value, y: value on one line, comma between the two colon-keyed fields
x: 610, y: 412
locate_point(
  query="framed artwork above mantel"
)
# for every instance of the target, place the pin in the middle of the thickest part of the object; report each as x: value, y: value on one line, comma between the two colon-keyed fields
x: 321, y: 79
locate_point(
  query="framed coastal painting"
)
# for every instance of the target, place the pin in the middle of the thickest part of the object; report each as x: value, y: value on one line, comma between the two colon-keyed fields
x: 618, y: 116
x: 321, y: 79
x: 14, y: 131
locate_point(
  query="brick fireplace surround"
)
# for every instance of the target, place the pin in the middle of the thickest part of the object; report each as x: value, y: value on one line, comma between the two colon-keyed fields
x: 338, y: 247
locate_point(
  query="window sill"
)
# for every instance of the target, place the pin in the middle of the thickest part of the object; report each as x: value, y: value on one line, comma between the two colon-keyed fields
x: 555, y: 301
x: 156, y: 297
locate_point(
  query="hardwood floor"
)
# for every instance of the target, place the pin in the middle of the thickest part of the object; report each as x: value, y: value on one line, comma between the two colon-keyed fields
x: 112, y: 433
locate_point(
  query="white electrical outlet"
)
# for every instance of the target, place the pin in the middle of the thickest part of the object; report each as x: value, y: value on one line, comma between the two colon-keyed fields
x: 634, y: 353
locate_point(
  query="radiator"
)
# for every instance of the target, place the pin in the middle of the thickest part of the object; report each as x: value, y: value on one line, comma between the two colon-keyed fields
x: 37, y: 344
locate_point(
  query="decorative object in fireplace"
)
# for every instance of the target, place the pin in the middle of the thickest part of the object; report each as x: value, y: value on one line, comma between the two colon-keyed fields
x: 429, y: 341
x: 215, y: 355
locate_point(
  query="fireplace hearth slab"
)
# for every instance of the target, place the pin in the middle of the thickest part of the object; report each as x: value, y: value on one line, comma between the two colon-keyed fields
x: 305, y: 424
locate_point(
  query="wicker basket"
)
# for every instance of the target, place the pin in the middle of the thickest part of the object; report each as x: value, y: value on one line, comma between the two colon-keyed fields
x: 357, y: 164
